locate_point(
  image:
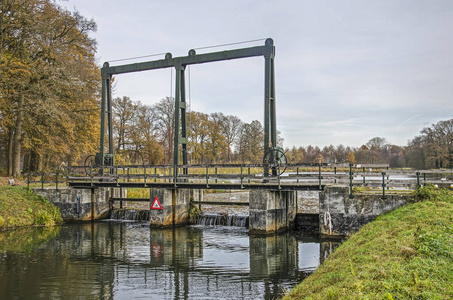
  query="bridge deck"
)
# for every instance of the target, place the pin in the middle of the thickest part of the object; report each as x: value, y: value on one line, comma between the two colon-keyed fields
x: 214, y: 186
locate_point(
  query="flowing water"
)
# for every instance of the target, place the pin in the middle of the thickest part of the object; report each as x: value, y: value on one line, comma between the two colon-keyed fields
x: 124, y: 260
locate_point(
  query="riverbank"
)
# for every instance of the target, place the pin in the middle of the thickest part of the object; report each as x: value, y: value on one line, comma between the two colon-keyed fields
x: 21, y: 207
x: 405, y: 254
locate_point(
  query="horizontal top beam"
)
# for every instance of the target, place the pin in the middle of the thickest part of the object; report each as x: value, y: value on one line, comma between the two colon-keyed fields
x: 268, y: 50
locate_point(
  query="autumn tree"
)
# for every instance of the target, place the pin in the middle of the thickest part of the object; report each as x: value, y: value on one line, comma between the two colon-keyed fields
x: 230, y: 127
x: 250, y: 144
x: 319, y: 159
x: 48, y: 83
x: 124, y: 110
x: 198, y: 136
x: 350, y: 157
x: 434, y: 146
x: 145, y: 134
x: 165, y: 115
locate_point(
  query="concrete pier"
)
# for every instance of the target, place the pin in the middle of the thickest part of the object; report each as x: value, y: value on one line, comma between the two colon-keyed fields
x: 175, y: 205
x: 271, y: 211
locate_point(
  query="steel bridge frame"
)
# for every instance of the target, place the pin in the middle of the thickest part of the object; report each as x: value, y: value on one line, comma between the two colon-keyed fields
x: 180, y: 63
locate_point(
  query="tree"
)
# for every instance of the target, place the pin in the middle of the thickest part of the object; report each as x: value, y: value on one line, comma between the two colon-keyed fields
x: 198, y: 134
x: 251, y: 142
x: 144, y: 134
x: 48, y: 83
x: 319, y: 159
x: 230, y: 127
x: 123, y: 115
x: 350, y: 158
x: 165, y: 110
x: 434, y: 146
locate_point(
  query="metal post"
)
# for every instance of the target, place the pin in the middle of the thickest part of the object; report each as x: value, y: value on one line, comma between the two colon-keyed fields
x: 215, y: 174
x: 42, y: 181
x: 278, y: 177
x: 155, y: 174
x: 127, y: 174
x: 248, y: 175
x: 28, y: 180
x: 297, y: 174
x: 175, y: 175
x: 241, y: 178
x: 320, y: 177
x: 144, y: 173
x: 56, y: 180
x: 350, y: 181
x: 418, y: 179
x: 383, y: 185
x: 207, y: 177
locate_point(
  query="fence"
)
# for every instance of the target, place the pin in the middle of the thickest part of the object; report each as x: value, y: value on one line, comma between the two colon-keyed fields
x: 372, y: 176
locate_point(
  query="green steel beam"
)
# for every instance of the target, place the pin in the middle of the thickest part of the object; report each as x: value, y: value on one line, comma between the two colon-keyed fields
x: 192, y: 59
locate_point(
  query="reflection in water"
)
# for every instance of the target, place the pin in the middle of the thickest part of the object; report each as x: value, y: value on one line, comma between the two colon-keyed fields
x: 111, y: 260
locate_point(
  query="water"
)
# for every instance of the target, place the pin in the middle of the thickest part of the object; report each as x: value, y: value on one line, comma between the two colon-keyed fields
x: 223, y: 220
x: 123, y: 260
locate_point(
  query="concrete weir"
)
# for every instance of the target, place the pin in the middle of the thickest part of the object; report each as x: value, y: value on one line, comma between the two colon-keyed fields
x: 81, y: 204
x: 341, y: 215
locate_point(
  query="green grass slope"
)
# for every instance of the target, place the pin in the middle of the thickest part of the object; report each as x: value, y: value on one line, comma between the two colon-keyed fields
x: 21, y: 207
x: 404, y: 254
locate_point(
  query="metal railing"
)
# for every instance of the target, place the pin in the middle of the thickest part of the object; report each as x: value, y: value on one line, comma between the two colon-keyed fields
x: 371, y: 176
x: 43, y: 178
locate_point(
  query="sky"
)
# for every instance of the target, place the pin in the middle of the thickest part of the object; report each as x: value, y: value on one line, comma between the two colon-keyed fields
x: 345, y: 70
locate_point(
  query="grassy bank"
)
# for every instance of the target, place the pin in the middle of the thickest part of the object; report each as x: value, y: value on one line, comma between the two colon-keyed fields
x: 405, y: 254
x: 21, y: 207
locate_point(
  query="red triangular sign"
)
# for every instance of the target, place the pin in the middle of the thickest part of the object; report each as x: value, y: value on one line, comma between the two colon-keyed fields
x: 156, y: 204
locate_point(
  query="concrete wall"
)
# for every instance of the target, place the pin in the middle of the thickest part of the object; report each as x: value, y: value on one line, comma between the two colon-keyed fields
x: 81, y: 204
x: 271, y: 211
x: 340, y: 215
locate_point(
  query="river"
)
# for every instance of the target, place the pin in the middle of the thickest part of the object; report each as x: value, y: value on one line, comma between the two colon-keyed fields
x: 128, y: 260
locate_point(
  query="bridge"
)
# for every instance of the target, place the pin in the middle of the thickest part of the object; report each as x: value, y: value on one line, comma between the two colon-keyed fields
x: 272, y: 205
x: 350, y: 195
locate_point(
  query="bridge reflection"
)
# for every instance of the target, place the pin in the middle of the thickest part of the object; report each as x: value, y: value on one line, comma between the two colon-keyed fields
x: 116, y: 260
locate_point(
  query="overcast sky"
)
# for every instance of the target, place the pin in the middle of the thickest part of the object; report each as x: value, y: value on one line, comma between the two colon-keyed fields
x: 346, y: 71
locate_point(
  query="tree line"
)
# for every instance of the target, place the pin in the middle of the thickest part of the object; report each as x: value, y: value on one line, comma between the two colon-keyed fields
x: 50, y: 109
x: 145, y: 134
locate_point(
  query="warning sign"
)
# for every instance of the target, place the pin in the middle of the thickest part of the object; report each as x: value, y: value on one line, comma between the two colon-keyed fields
x: 156, y: 204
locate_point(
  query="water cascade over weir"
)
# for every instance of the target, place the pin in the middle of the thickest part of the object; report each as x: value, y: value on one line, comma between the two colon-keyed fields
x: 204, y: 219
x: 223, y: 220
x: 130, y: 215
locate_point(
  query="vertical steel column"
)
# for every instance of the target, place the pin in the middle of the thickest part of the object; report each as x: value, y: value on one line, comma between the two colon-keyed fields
x: 270, y: 126
x: 105, y: 84
x: 110, y: 122
x: 183, y: 138
x: 180, y: 134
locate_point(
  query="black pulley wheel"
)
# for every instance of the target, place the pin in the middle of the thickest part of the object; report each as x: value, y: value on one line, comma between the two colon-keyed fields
x: 275, y: 161
x: 90, y: 164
